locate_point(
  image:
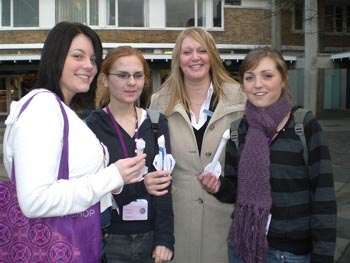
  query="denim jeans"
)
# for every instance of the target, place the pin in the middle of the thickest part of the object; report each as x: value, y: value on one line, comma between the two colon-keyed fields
x: 275, y: 256
x: 134, y: 248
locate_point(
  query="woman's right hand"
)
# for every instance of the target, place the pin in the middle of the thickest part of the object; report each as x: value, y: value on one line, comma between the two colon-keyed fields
x: 156, y: 182
x: 130, y: 168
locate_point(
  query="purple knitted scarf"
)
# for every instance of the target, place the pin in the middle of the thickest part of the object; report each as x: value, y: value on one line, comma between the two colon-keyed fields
x: 253, y: 203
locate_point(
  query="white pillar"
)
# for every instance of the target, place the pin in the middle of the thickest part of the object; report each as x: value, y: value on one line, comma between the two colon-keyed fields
x: 310, y: 55
x: 276, y: 24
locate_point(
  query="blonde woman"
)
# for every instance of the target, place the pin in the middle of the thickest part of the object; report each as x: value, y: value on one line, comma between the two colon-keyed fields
x: 200, y: 100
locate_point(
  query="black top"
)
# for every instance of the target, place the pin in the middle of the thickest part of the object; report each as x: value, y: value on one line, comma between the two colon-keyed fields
x: 199, y: 134
x: 160, y: 210
x: 304, y: 209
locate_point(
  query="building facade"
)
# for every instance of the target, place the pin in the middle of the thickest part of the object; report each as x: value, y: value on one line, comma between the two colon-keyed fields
x: 153, y: 25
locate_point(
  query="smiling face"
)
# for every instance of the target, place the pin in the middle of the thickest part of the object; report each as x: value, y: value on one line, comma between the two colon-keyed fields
x: 128, y: 90
x: 79, y: 68
x: 194, y: 60
x: 263, y: 84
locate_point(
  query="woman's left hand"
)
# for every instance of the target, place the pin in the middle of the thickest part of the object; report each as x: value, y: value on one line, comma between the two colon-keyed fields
x: 210, y: 182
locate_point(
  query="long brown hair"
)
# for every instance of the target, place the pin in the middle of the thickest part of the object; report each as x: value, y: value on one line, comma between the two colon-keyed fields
x: 253, y: 58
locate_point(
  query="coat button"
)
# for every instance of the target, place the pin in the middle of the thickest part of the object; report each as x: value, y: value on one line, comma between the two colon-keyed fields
x: 200, y: 201
x: 212, y: 127
x: 208, y: 154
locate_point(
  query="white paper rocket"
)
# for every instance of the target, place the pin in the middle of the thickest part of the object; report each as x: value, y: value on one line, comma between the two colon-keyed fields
x: 140, y: 147
x: 214, y: 167
x: 163, y: 161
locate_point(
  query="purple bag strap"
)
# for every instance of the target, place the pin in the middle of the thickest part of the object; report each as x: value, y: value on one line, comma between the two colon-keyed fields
x: 63, y: 172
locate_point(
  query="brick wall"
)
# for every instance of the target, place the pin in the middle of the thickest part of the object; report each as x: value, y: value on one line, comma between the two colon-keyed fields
x: 22, y: 36
x: 241, y: 26
x: 246, y: 26
x: 290, y: 38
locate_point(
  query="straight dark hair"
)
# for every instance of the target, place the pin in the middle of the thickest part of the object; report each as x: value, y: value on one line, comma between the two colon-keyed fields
x: 53, y: 57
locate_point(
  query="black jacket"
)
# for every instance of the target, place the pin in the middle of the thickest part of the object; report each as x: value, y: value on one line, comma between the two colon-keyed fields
x: 160, y: 209
x: 304, y: 208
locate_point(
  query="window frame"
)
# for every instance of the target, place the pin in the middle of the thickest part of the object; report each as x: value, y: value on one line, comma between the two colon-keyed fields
x: 98, y: 17
x: 11, y: 14
x: 208, y: 22
x: 295, y: 18
x: 233, y: 2
x: 116, y: 17
x: 88, y: 13
x: 344, y: 19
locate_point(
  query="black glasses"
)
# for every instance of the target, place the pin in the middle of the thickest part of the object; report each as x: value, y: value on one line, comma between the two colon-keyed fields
x: 127, y: 75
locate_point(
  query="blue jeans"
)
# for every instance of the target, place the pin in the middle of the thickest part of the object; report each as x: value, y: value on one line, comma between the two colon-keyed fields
x: 275, y: 256
x: 132, y: 248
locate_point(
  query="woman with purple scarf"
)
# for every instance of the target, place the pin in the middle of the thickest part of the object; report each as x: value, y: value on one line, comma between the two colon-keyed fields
x: 285, y: 209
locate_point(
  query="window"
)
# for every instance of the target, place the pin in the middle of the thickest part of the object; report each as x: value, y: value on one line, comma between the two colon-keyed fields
x: 93, y: 12
x: 20, y: 13
x: 5, y: 13
x: 76, y: 11
x: 217, y: 13
x: 348, y: 19
x: 201, y: 13
x: 111, y: 19
x: 180, y: 13
x: 232, y: 2
x: 298, y: 22
x: 337, y: 18
x: 185, y: 13
x: 130, y: 13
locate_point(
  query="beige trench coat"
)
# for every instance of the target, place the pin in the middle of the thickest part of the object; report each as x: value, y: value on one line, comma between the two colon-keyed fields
x: 201, y: 221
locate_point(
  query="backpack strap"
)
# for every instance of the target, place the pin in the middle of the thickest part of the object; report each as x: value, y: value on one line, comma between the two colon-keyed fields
x: 154, y: 116
x: 234, y: 131
x: 299, y: 116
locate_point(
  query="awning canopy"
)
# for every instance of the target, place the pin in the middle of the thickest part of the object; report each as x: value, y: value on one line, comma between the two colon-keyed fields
x: 340, y: 56
x: 152, y: 51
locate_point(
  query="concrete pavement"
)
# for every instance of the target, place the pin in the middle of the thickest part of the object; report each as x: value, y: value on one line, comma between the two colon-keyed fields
x: 338, y: 136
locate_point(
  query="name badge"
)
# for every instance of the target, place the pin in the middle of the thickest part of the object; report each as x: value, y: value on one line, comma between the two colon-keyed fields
x: 136, y: 210
x: 208, y: 112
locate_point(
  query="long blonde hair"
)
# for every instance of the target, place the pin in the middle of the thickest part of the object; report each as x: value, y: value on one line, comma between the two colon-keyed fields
x: 218, y: 73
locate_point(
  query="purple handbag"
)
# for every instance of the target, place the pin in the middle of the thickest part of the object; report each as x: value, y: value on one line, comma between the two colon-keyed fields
x: 72, y: 238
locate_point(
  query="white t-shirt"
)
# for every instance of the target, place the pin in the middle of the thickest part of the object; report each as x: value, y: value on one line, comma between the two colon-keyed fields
x: 204, y: 111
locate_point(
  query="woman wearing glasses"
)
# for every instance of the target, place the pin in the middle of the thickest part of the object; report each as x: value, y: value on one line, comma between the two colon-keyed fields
x: 141, y: 228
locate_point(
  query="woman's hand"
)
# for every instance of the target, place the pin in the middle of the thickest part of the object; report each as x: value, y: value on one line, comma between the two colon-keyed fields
x: 210, y: 183
x: 156, y: 182
x: 161, y: 254
x: 130, y: 168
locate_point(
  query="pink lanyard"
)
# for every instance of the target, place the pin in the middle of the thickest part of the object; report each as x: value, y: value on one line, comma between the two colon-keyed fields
x: 119, y: 133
